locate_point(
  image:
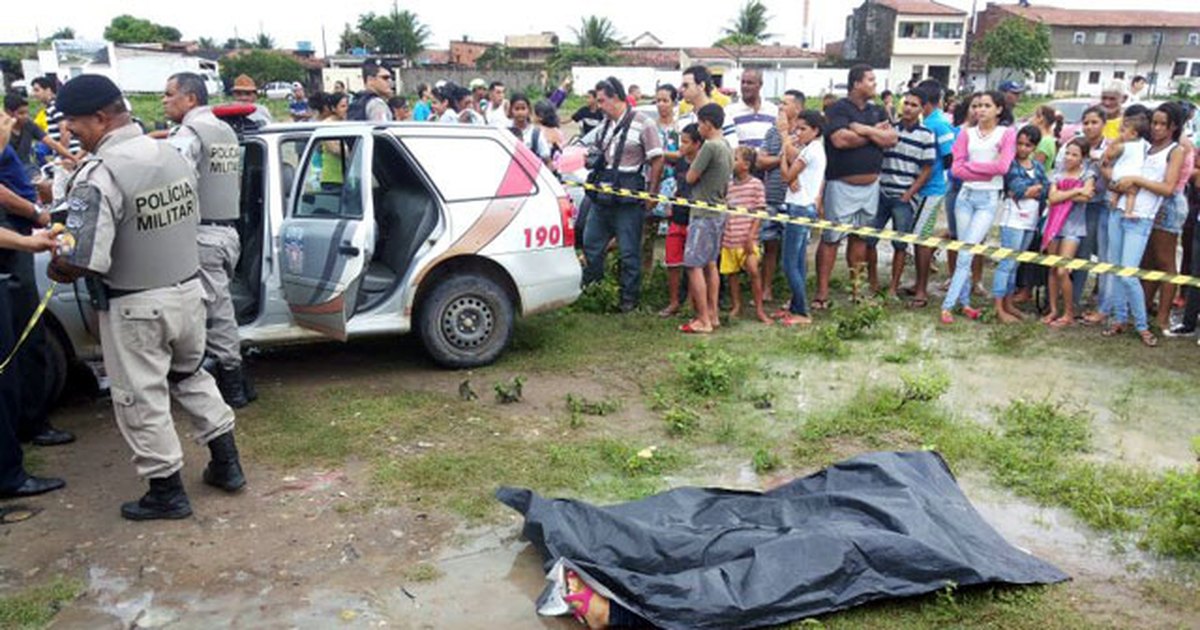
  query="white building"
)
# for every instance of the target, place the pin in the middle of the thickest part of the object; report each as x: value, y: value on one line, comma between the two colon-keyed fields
x: 913, y: 39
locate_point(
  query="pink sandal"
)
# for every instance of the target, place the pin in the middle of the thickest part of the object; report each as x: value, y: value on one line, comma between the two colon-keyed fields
x: 583, y: 598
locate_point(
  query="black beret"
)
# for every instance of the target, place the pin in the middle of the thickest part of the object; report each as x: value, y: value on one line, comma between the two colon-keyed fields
x: 87, y: 94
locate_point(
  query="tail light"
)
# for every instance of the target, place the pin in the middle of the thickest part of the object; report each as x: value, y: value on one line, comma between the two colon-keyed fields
x: 566, y: 213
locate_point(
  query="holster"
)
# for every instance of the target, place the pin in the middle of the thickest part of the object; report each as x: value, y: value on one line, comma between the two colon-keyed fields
x: 97, y: 293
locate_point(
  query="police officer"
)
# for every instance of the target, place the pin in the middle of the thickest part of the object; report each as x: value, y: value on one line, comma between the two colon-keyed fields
x: 133, y: 213
x: 15, y: 482
x: 211, y: 148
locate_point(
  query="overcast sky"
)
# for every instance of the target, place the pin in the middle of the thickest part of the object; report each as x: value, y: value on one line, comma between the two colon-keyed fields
x: 482, y: 20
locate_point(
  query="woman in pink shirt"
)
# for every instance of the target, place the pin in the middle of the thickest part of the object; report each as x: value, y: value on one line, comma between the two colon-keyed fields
x: 982, y: 155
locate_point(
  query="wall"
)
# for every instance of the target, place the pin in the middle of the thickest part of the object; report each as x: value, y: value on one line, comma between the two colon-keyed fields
x: 827, y: 81
x: 902, y: 70
x: 869, y: 34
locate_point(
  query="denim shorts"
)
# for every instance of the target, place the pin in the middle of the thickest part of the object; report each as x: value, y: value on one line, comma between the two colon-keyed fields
x: 771, y: 230
x: 902, y: 216
x: 1172, y: 213
x: 703, y: 241
x: 1075, y: 228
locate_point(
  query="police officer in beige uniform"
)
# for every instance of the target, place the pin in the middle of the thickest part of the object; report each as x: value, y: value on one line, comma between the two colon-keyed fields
x: 211, y: 147
x: 133, y: 213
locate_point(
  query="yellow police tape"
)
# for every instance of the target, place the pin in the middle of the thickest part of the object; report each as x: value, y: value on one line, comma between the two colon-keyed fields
x: 991, y: 251
x: 33, y: 320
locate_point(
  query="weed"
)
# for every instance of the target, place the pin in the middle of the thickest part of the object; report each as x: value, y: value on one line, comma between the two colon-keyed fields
x: 905, y: 353
x: 1174, y: 521
x: 855, y: 323
x: 35, y: 607
x: 510, y: 392
x: 1013, y: 340
x: 1123, y: 402
x: 603, y: 296
x: 925, y: 386
x: 422, y: 572
x: 823, y: 341
x: 765, y: 461
x: 681, y: 421
x: 762, y: 400
x: 709, y: 371
x: 581, y: 405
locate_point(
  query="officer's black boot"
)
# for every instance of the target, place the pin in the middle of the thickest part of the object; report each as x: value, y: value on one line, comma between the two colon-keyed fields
x: 231, y: 383
x: 165, y: 500
x: 248, y: 385
x: 224, y: 471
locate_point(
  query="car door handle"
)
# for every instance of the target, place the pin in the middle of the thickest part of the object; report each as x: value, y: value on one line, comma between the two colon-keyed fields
x: 348, y: 249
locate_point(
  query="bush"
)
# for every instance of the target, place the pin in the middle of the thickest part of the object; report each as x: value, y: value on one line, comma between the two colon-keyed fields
x: 1174, y: 521
x: 681, y: 420
x: 709, y: 371
x: 263, y: 66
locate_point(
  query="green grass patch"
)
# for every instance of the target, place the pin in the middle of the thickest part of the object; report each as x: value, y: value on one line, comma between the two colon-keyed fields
x: 35, y: 607
x: 906, y: 353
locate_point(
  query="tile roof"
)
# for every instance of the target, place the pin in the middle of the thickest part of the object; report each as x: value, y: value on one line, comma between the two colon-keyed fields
x: 920, y: 7
x: 1056, y: 16
x: 752, y: 52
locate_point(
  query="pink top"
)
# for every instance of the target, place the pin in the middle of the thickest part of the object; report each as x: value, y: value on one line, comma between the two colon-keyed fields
x: 969, y: 168
x: 1185, y: 171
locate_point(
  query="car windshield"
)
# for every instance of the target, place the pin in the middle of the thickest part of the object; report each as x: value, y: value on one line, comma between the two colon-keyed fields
x: 1072, y: 111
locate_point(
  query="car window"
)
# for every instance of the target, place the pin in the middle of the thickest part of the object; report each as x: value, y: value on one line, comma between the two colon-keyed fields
x: 1072, y: 111
x: 332, y: 183
x: 291, y: 151
x: 464, y: 169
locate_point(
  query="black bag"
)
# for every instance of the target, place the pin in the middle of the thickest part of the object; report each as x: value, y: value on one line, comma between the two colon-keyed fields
x: 358, y: 105
x: 603, y: 175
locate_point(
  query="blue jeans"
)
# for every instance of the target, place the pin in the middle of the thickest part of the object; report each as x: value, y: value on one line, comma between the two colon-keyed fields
x: 1005, y: 280
x: 624, y: 221
x: 1093, y: 244
x: 1127, y: 240
x: 792, y: 251
x: 975, y: 210
x: 902, y: 216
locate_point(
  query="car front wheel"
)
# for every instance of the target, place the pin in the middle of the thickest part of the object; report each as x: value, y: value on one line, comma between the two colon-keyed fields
x: 466, y: 321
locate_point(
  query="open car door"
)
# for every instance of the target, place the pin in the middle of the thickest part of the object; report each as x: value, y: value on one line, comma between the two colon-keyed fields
x: 329, y: 233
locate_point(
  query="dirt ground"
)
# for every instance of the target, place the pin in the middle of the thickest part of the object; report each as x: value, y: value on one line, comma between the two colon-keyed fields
x: 318, y: 545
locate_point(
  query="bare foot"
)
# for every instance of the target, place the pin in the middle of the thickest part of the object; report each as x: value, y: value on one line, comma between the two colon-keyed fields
x: 670, y: 311
x: 1006, y: 317
x: 795, y: 320
x: 594, y: 612
x: 696, y: 327
x: 1063, y: 322
x: 1050, y: 317
x: 735, y: 313
x: 762, y: 317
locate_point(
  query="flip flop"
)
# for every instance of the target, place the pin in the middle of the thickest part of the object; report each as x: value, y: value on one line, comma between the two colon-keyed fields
x: 820, y: 305
x: 688, y: 329
x: 1148, y: 339
x: 667, y: 312
x: 16, y: 514
x: 918, y: 303
x: 1062, y: 322
x: 1113, y: 331
x: 582, y: 597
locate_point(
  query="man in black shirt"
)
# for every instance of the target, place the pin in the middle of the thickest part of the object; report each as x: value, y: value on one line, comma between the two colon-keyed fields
x: 26, y: 134
x: 588, y: 117
x: 857, y: 134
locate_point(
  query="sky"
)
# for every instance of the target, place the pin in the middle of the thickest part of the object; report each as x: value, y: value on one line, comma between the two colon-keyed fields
x: 289, y: 22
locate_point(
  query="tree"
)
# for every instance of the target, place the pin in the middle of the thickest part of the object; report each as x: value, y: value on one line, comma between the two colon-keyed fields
x: 496, y: 57
x: 65, y: 32
x: 596, y: 32
x: 350, y: 39
x: 237, y: 43
x: 397, y: 33
x: 1018, y: 46
x: 263, y: 66
x: 749, y: 27
x: 126, y: 29
x: 263, y: 42
x: 207, y: 43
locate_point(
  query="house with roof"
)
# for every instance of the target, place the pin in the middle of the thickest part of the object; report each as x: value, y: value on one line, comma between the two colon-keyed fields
x: 645, y: 40
x: 1090, y: 48
x: 534, y: 48
x: 913, y: 39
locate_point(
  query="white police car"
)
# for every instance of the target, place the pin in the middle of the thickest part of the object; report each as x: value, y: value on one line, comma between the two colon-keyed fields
x: 359, y: 229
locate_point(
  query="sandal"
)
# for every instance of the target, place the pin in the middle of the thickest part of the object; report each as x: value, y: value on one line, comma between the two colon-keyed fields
x: 1062, y: 322
x: 1114, y: 331
x: 794, y: 320
x: 688, y: 329
x: 972, y: 313
x: 16, y: 514
x: 582, y: 597
x: 947, y: 318
x: 820, y: 305
x: 918, y: 303
x: 668, y: 312
x: 780, y: 314
x: 1148, y: 339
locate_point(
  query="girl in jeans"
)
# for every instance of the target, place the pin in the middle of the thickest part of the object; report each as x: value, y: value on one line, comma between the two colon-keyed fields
x: 982, y: 155
x: 802, y: 166
x: 1026, y: 188
x: 1128, y: 236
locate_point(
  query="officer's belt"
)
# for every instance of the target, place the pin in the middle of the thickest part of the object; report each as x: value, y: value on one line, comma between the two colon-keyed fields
x: 215, y: 223
x: 119, y: 293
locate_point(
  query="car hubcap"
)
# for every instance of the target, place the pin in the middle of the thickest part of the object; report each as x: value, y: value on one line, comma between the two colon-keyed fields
x: 467, y: 322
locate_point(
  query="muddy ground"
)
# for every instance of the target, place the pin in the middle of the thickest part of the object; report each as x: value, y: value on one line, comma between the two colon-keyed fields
x: 318, y: 543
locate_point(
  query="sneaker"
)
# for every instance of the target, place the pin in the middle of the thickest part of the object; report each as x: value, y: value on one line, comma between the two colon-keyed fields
x: 1179, y: 331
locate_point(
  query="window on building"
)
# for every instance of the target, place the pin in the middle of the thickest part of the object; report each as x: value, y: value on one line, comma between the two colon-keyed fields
x: 1080, y: 38
x: 1193, y: 39
x: 947, y: 30
x: 1094, y: 77
x: 1180, y: 69
x: 1101, y: 38
x: 914, y: 30
x: 1118, y: 74
x: 1155, y: 38
x: 1126, y: 39
x: 1040, y: 77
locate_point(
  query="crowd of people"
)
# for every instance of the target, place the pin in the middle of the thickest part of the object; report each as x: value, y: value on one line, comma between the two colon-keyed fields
x: 1116, y: 192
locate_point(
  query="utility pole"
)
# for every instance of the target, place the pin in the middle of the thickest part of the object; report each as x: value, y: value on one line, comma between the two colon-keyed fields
x: 324, y: 47
x: 1154, y: 68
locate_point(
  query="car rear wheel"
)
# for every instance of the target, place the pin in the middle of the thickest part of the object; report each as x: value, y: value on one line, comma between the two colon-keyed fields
x: 466, y: 321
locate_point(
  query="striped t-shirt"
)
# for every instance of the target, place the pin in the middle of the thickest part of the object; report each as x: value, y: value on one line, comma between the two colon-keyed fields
x: 902, y: 163
x: 752, y: 126
x: 748, y: 194
x: 54, y: 120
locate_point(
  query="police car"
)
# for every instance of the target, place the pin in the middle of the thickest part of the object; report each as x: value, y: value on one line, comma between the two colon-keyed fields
x: 357, y: 229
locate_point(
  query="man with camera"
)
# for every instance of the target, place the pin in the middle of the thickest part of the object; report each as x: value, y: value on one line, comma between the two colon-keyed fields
x: 625, y: 152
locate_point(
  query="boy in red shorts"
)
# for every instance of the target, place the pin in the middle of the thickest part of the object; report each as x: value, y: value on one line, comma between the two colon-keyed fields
x: 689, y: 146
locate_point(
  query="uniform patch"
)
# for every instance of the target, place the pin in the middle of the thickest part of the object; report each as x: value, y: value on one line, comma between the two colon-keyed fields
x: 163, y: 207
x: 224, y: 159
x: 83, y: 214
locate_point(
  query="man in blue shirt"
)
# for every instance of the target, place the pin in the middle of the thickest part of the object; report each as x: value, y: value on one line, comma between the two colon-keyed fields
x: 930, y: 198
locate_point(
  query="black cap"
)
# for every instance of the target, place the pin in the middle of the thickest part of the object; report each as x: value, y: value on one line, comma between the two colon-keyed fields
x: 86, y: 94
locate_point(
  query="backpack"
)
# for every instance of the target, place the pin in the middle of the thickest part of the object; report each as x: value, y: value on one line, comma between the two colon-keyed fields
x: 358, y: 105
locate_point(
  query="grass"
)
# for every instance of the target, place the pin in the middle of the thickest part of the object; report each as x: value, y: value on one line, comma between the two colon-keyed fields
x: 34, y: 607
x: 148, y: 108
